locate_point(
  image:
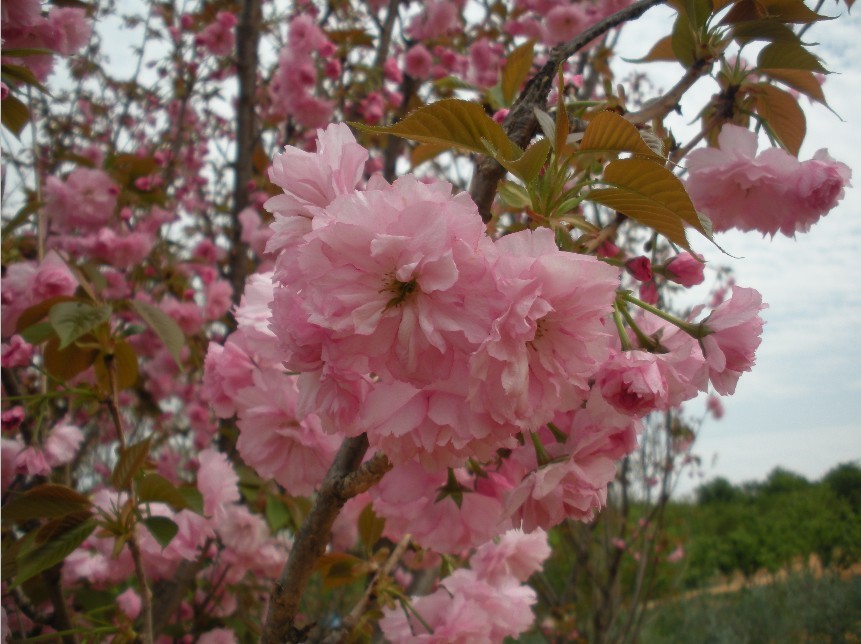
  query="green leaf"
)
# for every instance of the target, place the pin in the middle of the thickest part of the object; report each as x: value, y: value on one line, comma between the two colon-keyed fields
x: 165, y: 327
x: 12, y: 73
x: 768, y: 30
x: 787, y: 55
x: 609, y: 132
x: 783, y: 115
x: 52, y: 552
x: 530, y: 163
x: 71, y: 320
x: 45, y: 501
x: 14, y: 115
x: 650, y: 194
x: 517, y: 66
x: 193, y: 498
x: 698, y: 12
x: 154, y: 488
x: 792, y: 11
x: 162, y: 529
x: 277, y: 514
x: 131, y: 460
x: 514, y: 195
x: 684, y: 42
x: 20, y: 217
x: 38, y: 333
x: 454, y: 123
x: 370, y: 526
x: 56, y: 527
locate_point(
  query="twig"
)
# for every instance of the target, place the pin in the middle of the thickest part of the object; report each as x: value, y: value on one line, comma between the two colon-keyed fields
x: 662, y: 106
x: 346, y: 478
x: 521, y: 124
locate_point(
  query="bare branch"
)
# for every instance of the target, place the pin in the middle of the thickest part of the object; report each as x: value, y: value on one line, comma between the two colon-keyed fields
x: 345, y: 479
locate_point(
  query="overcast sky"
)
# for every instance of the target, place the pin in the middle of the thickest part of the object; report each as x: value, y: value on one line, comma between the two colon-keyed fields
x: 799, y: 407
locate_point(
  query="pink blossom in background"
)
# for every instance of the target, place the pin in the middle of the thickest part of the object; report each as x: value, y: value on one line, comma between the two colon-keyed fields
x: 62, y: 443
x: 16, y: 353
x: 770, y: 192
x: 515, y: 554
x: 418, y: 62
x: 85, y: 199
x: 715, y: 407
x: 218, y: 37
x: 130, y: 603
x: 735, y: 329
x: 218, y: 483
x: 440, y: 17
x: 564, y: 22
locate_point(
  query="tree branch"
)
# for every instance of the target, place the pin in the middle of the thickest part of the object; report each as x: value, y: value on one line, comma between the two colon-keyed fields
x: 521, y: 124
x: 247, y: 40
x: 345, y: 479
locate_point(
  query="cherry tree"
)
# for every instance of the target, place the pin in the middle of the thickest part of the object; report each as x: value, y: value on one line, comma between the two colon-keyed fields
x: 318, y: 317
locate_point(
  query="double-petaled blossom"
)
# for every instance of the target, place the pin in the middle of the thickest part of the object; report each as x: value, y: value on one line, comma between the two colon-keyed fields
x: 770, y: 192
x: 733, y: 333
x: 550, y: 340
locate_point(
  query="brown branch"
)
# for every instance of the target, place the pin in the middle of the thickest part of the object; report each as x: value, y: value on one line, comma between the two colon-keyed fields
x: 662, y: 106
x: 168, y: 593
x: 247, y: 41
x: 60, y: 619
x: 521, y: 124
x: 346, y: 478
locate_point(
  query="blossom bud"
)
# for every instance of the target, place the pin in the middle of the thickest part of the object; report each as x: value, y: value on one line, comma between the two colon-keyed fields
x: 640, y: 267
x: 685, y: 269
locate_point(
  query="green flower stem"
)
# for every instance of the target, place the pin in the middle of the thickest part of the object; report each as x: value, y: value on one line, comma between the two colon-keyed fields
x: 697, y: 331
x: 540, y: 453
x: 645, y: 341
x: 620, y: 327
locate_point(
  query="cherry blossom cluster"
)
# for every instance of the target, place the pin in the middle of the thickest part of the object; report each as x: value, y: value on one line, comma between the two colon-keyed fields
x: 489, y: 371
x: 771, y: 192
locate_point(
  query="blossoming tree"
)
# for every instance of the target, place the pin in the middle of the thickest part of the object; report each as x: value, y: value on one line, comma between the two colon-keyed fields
x: 279, y: 362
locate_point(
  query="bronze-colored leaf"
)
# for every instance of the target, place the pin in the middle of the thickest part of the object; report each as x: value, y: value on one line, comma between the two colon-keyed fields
x: 516, y: 68
x: 799, y: 80
x: 650, y: 194
x: 65, y: 364
x: 660, y: 51
x: 453, y: 123
x: 131, y: 461
x: 782, y: 113
x: 609, y: 132
x: 45, y: 501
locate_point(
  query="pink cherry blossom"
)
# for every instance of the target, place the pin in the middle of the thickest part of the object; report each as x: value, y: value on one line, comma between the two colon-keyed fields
x: 217, y: 482
x: 406, y: 498
x: 734, y: 330
x: 275, y: 441
x: 85, y: 199
x: 516, y: 554
x: 771, y: 192
x: 542, y: 351
x: 418, y: 62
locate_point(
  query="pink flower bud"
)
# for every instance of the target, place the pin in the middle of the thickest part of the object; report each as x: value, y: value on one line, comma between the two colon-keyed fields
x: 640, y: 267
x: 685, y: 269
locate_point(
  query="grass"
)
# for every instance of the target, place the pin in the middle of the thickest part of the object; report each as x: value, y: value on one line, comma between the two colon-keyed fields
x: 803, y: 608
